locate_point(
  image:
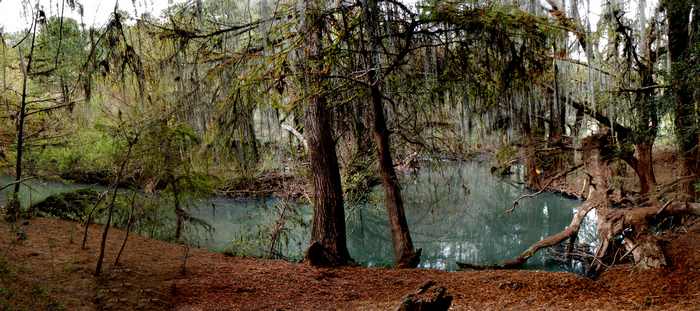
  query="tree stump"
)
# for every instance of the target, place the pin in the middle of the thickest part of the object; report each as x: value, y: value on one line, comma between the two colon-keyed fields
x: 428, y: 297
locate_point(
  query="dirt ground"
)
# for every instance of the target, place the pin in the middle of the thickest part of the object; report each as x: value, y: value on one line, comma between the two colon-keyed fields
x: 42, y: 267
x: 49, y: 271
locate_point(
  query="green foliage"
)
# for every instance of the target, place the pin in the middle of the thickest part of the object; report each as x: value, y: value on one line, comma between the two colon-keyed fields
x: 506, y: 153
x: 359, y: 178
x: 88, y: 151
x: 60, y: 53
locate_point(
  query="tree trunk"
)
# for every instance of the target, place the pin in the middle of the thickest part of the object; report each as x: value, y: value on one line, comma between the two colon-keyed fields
x: 533, y: 175
x: 328, y: 241
x: 678, y: 12
x: 179, y: 212
x: 110, y: 209
x: 14, y: 205
x: 645, y: 168
x: 404, y: 254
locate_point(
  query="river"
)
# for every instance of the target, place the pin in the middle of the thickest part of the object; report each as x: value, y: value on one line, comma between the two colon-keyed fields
x: 455, y: 211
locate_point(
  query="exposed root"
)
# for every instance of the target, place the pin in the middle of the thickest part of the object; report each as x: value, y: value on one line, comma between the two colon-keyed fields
x: 552, y: 240
x: 318, y: 255
x: 410, y: 260
x: 628, y: 227
x: 633, y: 225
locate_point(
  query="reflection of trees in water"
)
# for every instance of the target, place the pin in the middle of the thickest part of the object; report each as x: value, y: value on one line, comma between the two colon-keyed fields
x: 455, y: 213
x: 244, y: 227
x: 369, y: 240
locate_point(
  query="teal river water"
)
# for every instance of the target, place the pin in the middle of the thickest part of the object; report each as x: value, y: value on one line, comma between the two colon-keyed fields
x: 456, y: 212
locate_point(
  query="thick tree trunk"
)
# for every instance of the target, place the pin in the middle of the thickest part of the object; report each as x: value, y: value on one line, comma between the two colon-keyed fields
x: 645, y: 168
x: 678, y: 12
x: 244, y: 143
x: 328, y: 240
x: 404, y: 254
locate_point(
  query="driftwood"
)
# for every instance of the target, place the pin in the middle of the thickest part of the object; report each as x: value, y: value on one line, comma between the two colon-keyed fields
x: 428, y: 297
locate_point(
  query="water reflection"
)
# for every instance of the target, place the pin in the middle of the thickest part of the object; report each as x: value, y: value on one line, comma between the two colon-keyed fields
x: 36, y: 190
x: 455, y: 213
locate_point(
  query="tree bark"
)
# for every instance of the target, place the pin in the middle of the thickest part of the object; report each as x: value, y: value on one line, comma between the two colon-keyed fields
x: 533, y: 175
x: 404, y: 254
x: 328, y: 240
x: 179, y: 212
x: 645, y: 167
x: 679, y: 43
x: 110, y: 209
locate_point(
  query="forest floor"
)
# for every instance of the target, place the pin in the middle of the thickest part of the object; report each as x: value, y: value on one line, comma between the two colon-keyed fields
x: 49, y: 271
x: 42, y: 267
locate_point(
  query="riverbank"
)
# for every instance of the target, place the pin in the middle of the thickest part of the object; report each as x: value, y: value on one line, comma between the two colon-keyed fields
x: 665, y: 162
x: 49, y: 270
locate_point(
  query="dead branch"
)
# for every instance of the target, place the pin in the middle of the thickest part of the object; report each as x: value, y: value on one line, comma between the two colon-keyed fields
x: 549, y: 241
x: 544, y: 188
x: 296, y: 134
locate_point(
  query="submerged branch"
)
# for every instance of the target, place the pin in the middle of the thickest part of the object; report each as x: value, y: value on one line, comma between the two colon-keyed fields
x: 544, y: 188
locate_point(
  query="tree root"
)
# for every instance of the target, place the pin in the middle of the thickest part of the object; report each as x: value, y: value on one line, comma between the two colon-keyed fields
x: 630, y: 225
x: 318, y: 255
x: 549, y: 241
x: 633, y: 225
